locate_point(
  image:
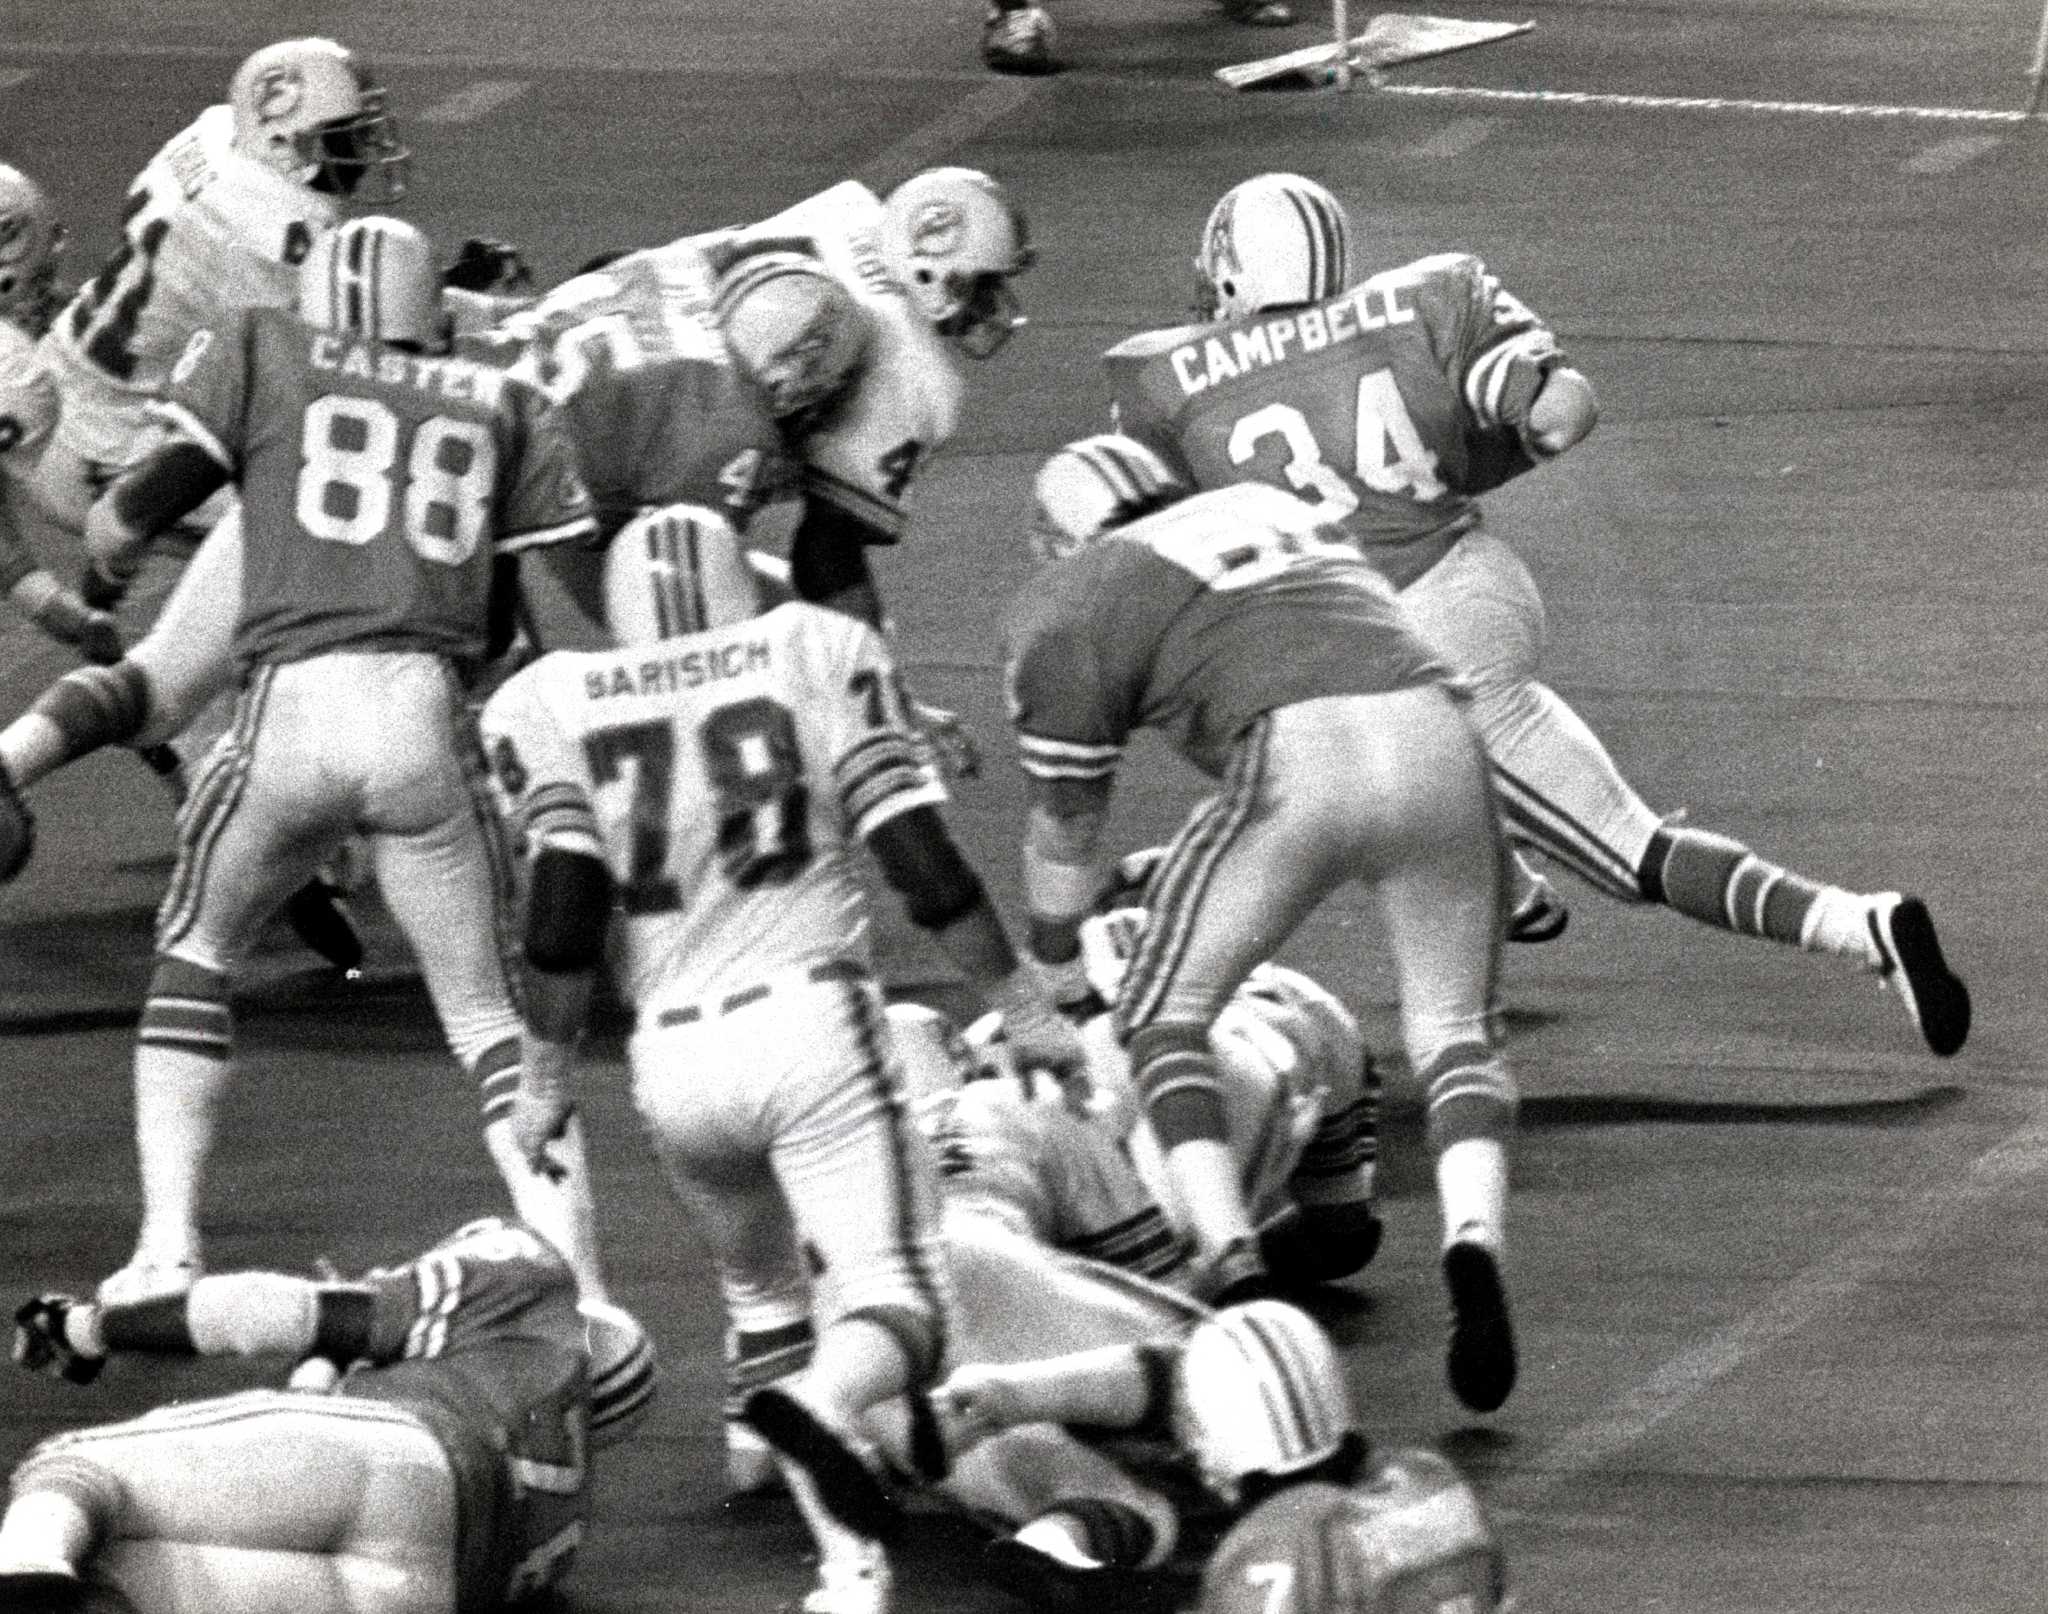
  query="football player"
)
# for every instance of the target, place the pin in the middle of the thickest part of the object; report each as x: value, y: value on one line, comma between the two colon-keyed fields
x: 1299, y: 1096
x: 380, y: 481
x: 447, y: 1469
x: 711, y: 776
x: 1255, y: 1398
x: 1017, y: 36
x: 1347, y: 759
x: 1393, y: 401
x: 31, y: 243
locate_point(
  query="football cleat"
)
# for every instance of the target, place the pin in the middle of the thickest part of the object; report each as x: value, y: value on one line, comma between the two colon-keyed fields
x: 320, y: 918
x: 852, y: 1581
x: 1042, y: 1561
x: 1913, y: 966
x: 1018, y: 39
x: 750, y: 1467
x: 17, y: 828
x: 1258, y: 13
x: 848, y: 1488
x: 145, y: 1279
x: 1322, y: 1243
x: 1481, y: 1358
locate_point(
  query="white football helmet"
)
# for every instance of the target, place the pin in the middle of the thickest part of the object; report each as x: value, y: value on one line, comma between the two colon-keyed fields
x: 674, y: 571
x: 31, y: 242
x: 1095, y: 484
x: 1272, y: 241
x: 623, y: 1374
x: 1324, y: 1034
x: 954, y: 237
x: 1259, y: 1391
x: 311, y: 109
x: 373, y: 277
x: 794, y: 327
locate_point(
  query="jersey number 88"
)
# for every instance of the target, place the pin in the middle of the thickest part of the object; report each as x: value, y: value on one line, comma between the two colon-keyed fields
x: 349, y: 452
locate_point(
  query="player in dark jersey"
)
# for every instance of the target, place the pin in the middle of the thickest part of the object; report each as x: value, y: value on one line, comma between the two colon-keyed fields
x: 381, y: 480
x: 1394, y: 401
x: 447, y: 1471
x: 1274, y: 660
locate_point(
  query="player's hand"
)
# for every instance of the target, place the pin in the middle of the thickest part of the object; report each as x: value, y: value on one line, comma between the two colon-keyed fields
x: 69, y: 620
x: 42, y: 1346
x: 541, y: 1113
x: 17, y: 828
x: 481, y: 264
x: 974, y: 1403
x: 959, y: 753
x: 1041, y: 1038
x: 100, y: 590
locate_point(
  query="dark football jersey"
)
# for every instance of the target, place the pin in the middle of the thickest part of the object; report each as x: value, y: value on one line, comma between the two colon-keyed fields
x: 1391, y: 406
x: 1193, y: 621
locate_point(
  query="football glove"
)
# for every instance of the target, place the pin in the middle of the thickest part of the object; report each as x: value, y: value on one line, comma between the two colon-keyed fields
x: 42, y: 1346
x: 100, y: 591
x: 481, y: 264
x: 17, y: 828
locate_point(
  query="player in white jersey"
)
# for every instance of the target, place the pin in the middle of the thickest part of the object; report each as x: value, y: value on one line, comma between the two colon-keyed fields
x: 711, y: 776
x: 31, y: 243
x: 1300, y: 1100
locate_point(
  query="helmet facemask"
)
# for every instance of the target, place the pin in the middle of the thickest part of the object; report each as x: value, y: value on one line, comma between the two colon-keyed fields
x: 343, y: 153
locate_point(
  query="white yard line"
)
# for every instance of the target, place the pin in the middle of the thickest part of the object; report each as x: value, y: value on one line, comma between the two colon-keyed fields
x: 926, y: 145
x: 473, y: 101
x: 1892, y: 1237
x: 1708, y: 103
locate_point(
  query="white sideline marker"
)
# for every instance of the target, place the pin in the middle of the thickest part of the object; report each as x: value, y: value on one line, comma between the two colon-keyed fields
x: 1391, y: 38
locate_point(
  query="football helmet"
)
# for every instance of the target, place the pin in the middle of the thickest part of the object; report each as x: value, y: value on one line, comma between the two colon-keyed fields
x: 622, y: 1371
x: 1272, y: 241
x: 954, y: 238
x: 1093, y: 485
x: 673, y: 571
x: 373, y: 277
x: 31, y: 242
x: 1409, y: 1537
x: 794, y: 327
x: 1323, y: 1032
x: 311, y: 110
x: 1258, y: 1394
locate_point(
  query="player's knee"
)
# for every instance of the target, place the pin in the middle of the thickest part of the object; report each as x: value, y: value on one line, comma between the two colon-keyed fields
x: 918, y: 1328
x: 1468, y: 1093
x: 1175, y: 1072
x: 93, y: 707
x: 188, y: 1008
x: 755, y: 1357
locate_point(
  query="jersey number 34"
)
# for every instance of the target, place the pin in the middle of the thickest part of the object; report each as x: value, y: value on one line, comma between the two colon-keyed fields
x: 1387, y: 452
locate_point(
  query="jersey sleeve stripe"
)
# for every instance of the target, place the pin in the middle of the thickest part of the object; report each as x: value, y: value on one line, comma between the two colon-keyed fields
x: 190, y: 425
x: 557, y: 809
x: 1486, y: 383
x: 883, y: 514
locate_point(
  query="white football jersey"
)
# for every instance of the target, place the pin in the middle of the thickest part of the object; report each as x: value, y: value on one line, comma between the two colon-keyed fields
x: 206, y: 230
x: 727, y: 775
x: 29, y: 402
x: 865, y: 455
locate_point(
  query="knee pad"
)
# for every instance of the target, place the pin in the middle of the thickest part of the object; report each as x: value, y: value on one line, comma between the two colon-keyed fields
x: 1175, y: 1072
x: 1469, y: 1094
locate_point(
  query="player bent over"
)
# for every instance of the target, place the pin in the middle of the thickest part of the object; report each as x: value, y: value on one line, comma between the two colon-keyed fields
x: 1255, y: 1398
x: 1345, y: 759
x: 447, y: 1470
x: 710, y: 776
x: 380, y: 481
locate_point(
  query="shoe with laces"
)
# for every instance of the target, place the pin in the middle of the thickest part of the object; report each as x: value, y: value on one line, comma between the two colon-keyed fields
x: 1481, y: 1360
x: 1541, y: 917
x: 1018, y: 39
x: 319, y: 917
x: 1911, y: 964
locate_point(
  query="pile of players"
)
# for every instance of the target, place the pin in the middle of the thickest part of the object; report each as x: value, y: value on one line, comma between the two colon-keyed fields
x: 1151, y: 1134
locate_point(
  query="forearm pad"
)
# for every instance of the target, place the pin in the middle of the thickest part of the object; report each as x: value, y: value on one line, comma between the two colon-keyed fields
x: 924, y: 865
x: 170, y: 484
x: 568, y: 904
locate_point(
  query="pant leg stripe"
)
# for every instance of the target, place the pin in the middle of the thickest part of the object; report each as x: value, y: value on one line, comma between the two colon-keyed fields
x: 1563, y: 837
x: 498, y: 852
x: 211, y: 809
x: 1183, y: 881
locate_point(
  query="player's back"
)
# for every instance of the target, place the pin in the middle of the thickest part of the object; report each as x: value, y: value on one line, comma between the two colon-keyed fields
x: 1199, y: 617
x: 649, y: 394
x: 205, y: 230
x: 482, y: 1340
x: 730, y: 772
x: 1380, y: 404
x: 377, y: 485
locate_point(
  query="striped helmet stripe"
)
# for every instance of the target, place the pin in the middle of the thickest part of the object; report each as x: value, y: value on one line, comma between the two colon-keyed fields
x: 1324, y: 229
x: 1297, y: 1382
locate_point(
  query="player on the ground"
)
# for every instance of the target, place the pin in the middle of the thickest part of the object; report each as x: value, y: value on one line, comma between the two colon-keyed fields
x: 448, y: 1469
x: 1017, y: 36
x: 31, y: 243
x: 1299, y: 1098
x: 710, y: 777
x: 1255, y: 1397
x: 1393, y: 401
x: 381, y: 479
x: 1348, y: 758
